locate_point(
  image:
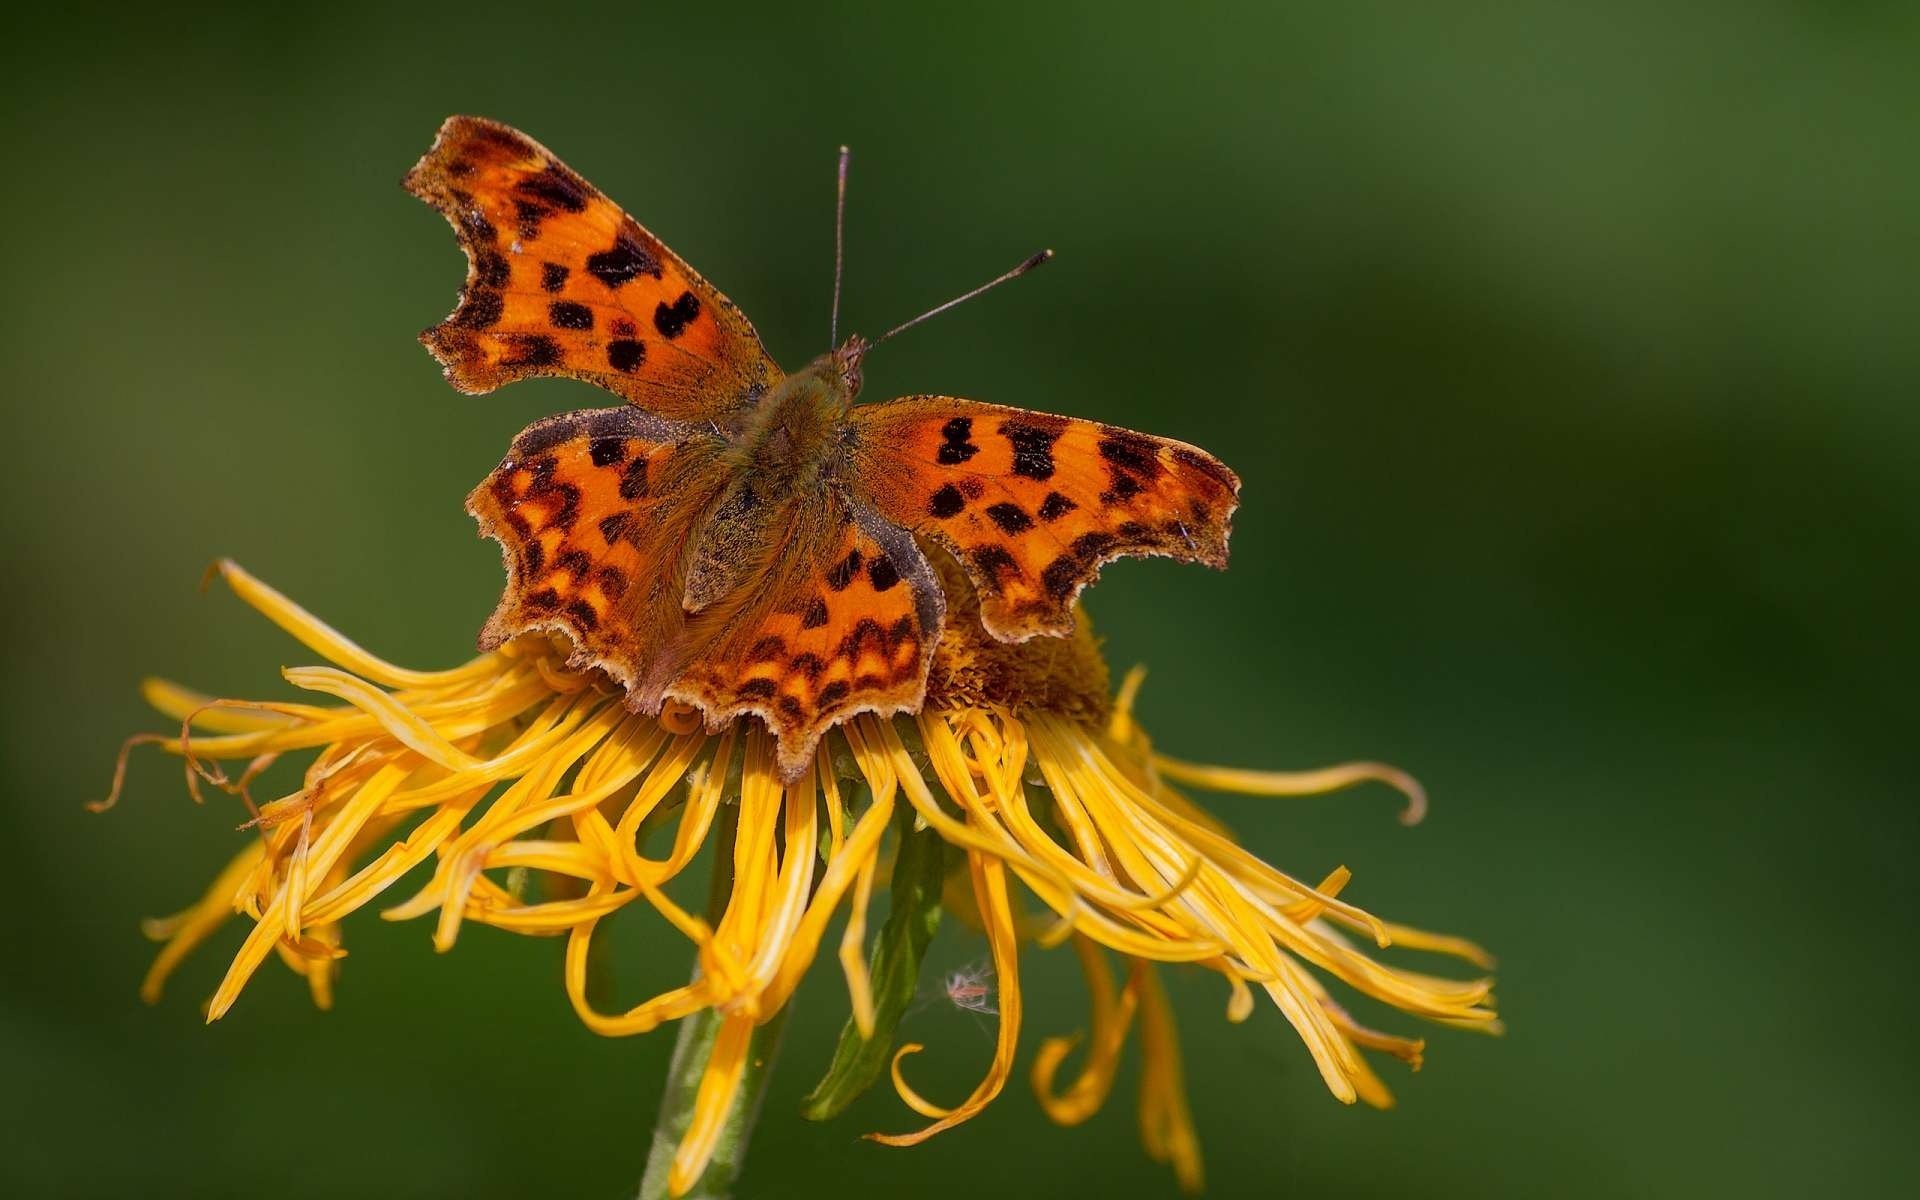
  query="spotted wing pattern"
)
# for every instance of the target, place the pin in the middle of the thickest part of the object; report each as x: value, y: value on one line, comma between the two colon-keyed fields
x: 560, y: 281
x: 596, y: 513
x: 1032, y: 505
x: 593, y: 511
x: 846, y: 623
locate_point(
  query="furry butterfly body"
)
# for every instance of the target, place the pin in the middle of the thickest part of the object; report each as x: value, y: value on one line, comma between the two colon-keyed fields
x: 743, y: 540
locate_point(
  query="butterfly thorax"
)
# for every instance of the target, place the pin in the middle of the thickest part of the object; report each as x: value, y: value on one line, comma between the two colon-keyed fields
x: 789, y: 451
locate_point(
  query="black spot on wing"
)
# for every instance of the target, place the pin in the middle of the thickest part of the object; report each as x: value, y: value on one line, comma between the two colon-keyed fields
x: 881, y: 573
x: 607, y: 451
x: 1135, y: 452
x: 1207, y: 465
x: 614, y: 525
x: 841, y: 574
x: 990, y: 563
x: 480, y: 310
x: 507, y: 143
x: 490, y: 268
x: 814, y: 615
x: 626, y: 354
x: 565, y: 314
x: 1032, y: 446
x: 531, y: 350
x: 808, y: 664
x: 958, y: 445
x: 672, y: 319
x: 1064, y: 575
x: 1011, y: 518
x: 625, y: 259
x: 556, y: 187
x: 946, y: 502
x: 553, y: 277
x: 1055, y: 506
x: 1122, y: 488
x: 527, y: 217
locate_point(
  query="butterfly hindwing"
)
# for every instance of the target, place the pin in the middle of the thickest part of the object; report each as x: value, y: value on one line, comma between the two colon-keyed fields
x: 1032, y: 505
x: 593, y: 511
x: 597, y: 513
x: 845, y: 622
x: 560, y: 281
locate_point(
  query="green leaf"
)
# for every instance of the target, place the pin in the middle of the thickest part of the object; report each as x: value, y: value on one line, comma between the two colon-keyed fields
x: 918, y: 871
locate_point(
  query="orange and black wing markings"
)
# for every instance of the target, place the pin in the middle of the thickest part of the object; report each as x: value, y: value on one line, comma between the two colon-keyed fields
x: 593, y: 511
x: 560, y: 281
x: 850, y: 627
x: 1032, y: 505
x: 596, y: 513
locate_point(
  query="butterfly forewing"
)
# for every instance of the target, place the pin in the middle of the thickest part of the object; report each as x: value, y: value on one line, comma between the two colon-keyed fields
x: 1032, y: 505
x: 560, y: 281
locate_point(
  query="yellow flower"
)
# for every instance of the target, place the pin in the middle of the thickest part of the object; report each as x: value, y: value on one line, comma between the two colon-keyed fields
x: 512, y: 765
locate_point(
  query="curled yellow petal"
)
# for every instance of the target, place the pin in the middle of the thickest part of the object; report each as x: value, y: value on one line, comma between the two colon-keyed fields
x: 1111, y: 1017
x: 1166, y: 1121
x: 990, y: 888
x: 1299, y: 783
x: 913, y: 1099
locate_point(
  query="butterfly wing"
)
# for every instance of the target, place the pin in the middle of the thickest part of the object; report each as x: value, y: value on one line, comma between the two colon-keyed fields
x: 561, y: 282
x: 597, y: 513
x: 1032, y: 505
x: 593, y: 511
x: 845, y: 622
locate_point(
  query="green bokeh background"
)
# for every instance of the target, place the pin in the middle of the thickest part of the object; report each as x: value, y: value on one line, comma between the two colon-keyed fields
x: 1567, y: 352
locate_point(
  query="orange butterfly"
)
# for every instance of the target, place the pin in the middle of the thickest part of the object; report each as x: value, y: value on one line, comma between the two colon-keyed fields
x: 740, y: 539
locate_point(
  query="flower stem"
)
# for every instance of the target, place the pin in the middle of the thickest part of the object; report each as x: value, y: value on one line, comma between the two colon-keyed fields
x: 691, y: 1050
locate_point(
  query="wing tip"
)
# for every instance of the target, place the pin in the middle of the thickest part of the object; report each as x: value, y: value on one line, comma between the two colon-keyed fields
x: 460, y: 363
x: 454, y: 133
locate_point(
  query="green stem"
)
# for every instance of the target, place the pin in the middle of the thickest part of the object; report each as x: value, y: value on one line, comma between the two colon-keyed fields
x: 691, y: 1050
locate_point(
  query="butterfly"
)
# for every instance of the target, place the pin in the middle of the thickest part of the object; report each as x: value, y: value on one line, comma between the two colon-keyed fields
x: 737, y: 538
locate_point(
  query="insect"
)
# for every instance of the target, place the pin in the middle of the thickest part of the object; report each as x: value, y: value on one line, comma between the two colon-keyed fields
x: 740, y: 539
x: 971, y: 988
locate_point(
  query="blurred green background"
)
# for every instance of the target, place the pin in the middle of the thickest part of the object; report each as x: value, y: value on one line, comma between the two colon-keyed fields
x: 1567, y: 352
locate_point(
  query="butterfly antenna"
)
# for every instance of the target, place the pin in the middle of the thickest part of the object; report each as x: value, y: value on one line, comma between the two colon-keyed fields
x: 839, y: 247
x: 1016, y: 273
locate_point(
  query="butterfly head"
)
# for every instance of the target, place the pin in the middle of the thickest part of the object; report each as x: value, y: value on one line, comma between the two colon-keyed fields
x: 845, y: 361
x: 832, y: 381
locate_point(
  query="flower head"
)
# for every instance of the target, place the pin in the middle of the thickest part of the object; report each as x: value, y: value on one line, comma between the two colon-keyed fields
x: 1019, y: 779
